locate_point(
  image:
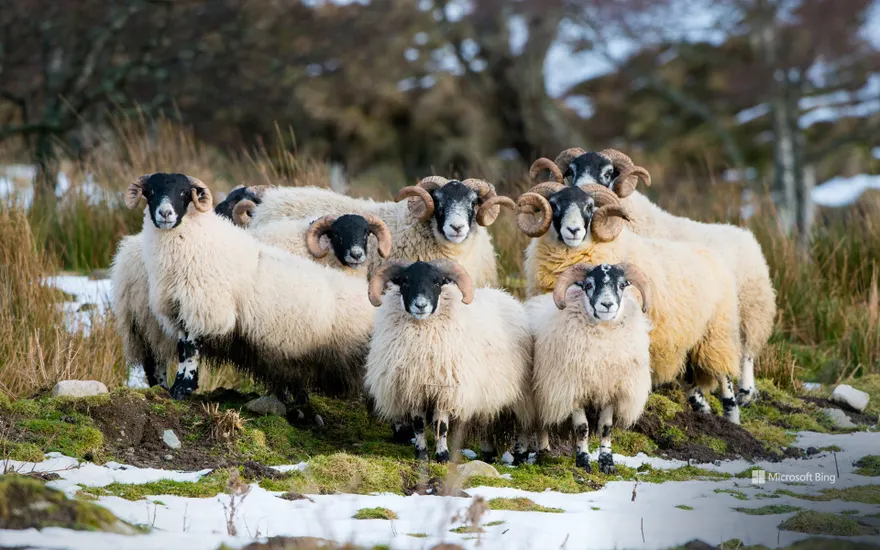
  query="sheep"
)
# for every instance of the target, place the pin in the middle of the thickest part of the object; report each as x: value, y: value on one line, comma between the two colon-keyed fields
x: 696, y: 318
x: 736, y: 245
x: 252, y: 195
x: 593, y: 354
x: 441, y: 219
x: 226, y: 295
x: 462, y: 352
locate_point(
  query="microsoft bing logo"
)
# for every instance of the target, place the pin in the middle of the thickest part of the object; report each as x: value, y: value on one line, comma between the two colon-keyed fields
x: 759, y: 477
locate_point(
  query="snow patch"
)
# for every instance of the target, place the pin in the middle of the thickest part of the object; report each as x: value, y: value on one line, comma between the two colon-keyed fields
x: 842, y: 191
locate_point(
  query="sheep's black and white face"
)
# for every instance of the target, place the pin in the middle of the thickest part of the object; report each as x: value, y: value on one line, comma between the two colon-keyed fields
x: 348, y: 238
x: 225, y: 207
x: 590, y: 168
x: 455, y: 210
x: 420, y: 286
x: 572, y: 212
x: 603, y: 292
x: 168, y: 196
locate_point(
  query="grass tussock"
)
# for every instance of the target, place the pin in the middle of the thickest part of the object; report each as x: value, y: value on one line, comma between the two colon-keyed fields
x: 375, y: 513
x: 521, y: 504
x: 822, y: 523
x: 37, y: 347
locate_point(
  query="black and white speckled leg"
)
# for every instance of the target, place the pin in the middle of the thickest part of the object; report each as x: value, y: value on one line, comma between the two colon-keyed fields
x: 728, y: 399
x: 695, y: 396
x: 521, y: 448
x: 441, y: 453
x: 606, y: 459
x: 581, y: 439
x: 488, y: 451
x: 421, y: 441
x: 747, y: 393
x: 187, y: 380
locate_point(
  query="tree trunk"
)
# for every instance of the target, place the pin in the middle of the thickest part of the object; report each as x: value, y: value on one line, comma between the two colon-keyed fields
x: 46, y: 178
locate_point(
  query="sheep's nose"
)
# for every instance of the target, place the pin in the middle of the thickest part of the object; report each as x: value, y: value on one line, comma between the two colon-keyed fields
x: 458, y: 227
x: 165, y: 212
x: 356, y: 254
x: 574, y: 230
x: 608, y: 305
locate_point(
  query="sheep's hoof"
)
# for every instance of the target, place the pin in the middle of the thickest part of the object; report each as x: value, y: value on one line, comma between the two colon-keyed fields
x: 422, y: 454
x: 543, y: 457
x: 489, y: 456
x: 606, y: 463
x: 181, y: 390
x: 441, y: 457
x: 731, y: 411
x: 699, y: 406
x: 402, y: 433
x: 745, y: 397
x: 583, y: 461
x: 520, y: 458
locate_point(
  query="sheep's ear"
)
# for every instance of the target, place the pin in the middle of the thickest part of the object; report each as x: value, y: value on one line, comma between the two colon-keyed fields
x: 135, y: 191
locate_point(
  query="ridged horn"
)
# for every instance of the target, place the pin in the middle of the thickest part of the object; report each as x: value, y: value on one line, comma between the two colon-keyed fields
x: 529, y: 205
x: 316, y: 230
x: 628, y: 173
x: 564, y: 158
x: 544, y: 163
x: 381, y: 277
x: 638, y: 278
x: 243, y: 212
x: 135, y: 191
x: 383, y: 234
x: 569, y: 277
x: 458, y: 275
x: 201, y: 195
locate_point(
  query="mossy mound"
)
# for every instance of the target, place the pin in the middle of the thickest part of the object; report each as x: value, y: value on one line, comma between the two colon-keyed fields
x: 822, y: 523
x: 769, y: 510
x: 868, y: 466
x: 26, y: 503
x: 521, y: 504
x: 375, y: 513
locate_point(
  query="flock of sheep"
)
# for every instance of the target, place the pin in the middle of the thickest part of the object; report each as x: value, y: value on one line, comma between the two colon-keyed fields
x: 306, y: 288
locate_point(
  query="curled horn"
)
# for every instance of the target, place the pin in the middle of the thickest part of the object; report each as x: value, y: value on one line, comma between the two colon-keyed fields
x: 638, y: 278
x: 628, y: 173
x: 544, y: 163
x: 485, y: 217
x: 381, y: 276
x: 316, y: 230
x: 564, y: 158
x: 608, y: 222
x: 529, y: 204
x: 201, y: 195
x: 601, y: 194
x: 458, y: 275
x: 569, y: 277
x: 243, y: 212
x: 422, y: 205
x: 382, y: 233
x: 135, y: 191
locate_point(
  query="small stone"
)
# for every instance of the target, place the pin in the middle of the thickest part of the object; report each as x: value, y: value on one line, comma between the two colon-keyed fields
x: 169, y: 458
x: 477, y: 468
x: 319, y: 421
x: 170, y: 439
x: 850, y: 398
x: 78, y: 388
x: 265, y: 405
x: 469, y: 454
x: 839, y: 418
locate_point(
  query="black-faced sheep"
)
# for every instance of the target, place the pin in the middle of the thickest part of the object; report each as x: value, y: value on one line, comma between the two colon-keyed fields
x: 593, y: 354
x: 440, y: 344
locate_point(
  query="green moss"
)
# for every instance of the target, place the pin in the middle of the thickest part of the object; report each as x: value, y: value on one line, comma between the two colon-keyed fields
x: 26, y: 503
x: 662, y: 407
x: 870, y: 384
x: 374, y: 513
x: 768, y: 510
x: 493, y: 523
x: 672, y: 435
x: 747, y: 473
x: 25, y: 452
x: 739, y: 495
x: 520, y: 505
x: 831, y: 448
x: 417, y: 535
x: 719, y: 446
x: 850, y: 512
x: 774, y: 438
x: 804, y: 422
x: 209, y: 486
x: 631, y: 443
x: 867, y: 494
x: 466, y: 529
x: 76, y: 440
x: 346, y: 473
x: 822, y: 523
x: 868, y: 466
x: 684, y: 473
x: 684, y: 507
x: 595, y: 508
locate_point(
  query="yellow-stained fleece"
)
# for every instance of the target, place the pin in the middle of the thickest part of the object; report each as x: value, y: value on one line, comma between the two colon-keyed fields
x: 694, y: 303
x: 411, y: 239
x: 471, y: 360
x: 581, y: 362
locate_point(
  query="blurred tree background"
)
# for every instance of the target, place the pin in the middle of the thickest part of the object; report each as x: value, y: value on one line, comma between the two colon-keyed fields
x: 762, y: 94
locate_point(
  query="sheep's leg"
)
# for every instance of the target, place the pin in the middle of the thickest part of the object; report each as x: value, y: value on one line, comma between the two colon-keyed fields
x: 521, y: 448
x: 187, y: 380
x: 543, y: 450
x: 401, y: 432
x: 582, y: 439
x: 156, y: 374
x: 694, y: 394
x: 441, y: 453
x: 606, y: 460
x: 487, y: 450
x: 747, y: 391
x: 728, y: 399
x: 418, y: 422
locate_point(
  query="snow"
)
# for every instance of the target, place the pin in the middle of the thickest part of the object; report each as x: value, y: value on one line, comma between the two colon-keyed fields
x: 843, y: 191
x: 752, y: 113
x: 86, y: 291
x: 834, y: 106
x: 602, y: 519
x: 16, y: 185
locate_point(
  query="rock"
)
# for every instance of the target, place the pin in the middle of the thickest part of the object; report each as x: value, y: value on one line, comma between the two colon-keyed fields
x: 169, y: 458
x: 170, y: 439
x: 839, y: 418
x: 851, y: 398
x: 78, y: 388
x: 469, y: 454
x: 477, y: 468
x: 268, y: 404
x: 319, y: 421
